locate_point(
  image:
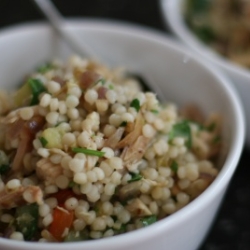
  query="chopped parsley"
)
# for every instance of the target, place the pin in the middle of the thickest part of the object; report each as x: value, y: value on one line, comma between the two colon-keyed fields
x: 123, y: 124
x: 174, y: 166
x: 135, y: 104
x: 181, y: 129
x: 101, y: 80
x: 45, y: 68
x: 43, y: 141
x: 37, y: 88
x: 156, y: 112
x: 27, y: 220
x: 148, y: 220
x: 134, y: 177
x: 199, y: 125
x: 88, y: 151
x: 111, y: 86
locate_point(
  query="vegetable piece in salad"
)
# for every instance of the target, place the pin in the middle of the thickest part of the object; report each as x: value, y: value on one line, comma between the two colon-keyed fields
x: 27, y: 220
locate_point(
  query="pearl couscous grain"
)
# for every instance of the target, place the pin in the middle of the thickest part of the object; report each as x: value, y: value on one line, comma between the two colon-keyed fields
x: 89, y: 155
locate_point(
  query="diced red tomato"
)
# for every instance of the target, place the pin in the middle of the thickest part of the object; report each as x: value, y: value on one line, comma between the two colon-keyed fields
x: 62, y: 219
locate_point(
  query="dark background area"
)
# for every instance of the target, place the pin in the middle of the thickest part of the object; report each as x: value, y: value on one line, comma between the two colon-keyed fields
x: 231, y: 228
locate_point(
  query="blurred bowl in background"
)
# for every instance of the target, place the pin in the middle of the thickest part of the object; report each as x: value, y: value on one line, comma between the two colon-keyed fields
x: 173, y: 13
x: 182, y: 81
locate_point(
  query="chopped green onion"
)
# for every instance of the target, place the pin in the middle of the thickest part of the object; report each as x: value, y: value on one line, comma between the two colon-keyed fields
x: 45, y: 67
x: 43, y: 141
x: 134, y: 177
x: 174, y: 166
x: 156, y: 112
x: 88, y: 151
x: 123, y: 124
x: 111, y: 86
x: 181, y: 129
x: 102, y: 81
x: 37, y: 88
x: 148, y: 220
x: 135, y: 104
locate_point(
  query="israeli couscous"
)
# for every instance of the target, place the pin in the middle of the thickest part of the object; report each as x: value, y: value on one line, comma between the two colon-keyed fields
x: 85, y: 154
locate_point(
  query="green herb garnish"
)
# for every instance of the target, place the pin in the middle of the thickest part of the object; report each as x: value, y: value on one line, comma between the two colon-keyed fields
x: 111, y: 86
x: 123, y: 124
x: 148, y: 220
x: 43, y: 141
x: 45, y: 68
x: 37, y: 88
x: 135, y: 104
x: 102, y: 81
x: 134, y: 177
x: 88, y: 151
x: 181, y: 129
x: 156, y: 112
x: 174, y: 166
x: 27, y: 220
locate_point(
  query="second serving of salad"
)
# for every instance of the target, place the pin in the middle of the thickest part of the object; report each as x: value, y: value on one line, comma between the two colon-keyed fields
x: 223, y: 25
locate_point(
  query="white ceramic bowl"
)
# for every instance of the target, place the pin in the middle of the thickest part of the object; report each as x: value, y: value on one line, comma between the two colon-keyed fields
x: 24, y: 47
x: 172, y: 11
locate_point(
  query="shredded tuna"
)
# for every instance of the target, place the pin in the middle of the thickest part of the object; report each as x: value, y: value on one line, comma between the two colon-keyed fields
x: 88, y: 78
x: 102, y: 92
x: 114, y: 139
x: 138, y: 208
x: 130, y: 190
x: 26, y: 133
x: 14, y: 198
x: 48, y: 171
x: 134, y: 134
x: 135, y: 152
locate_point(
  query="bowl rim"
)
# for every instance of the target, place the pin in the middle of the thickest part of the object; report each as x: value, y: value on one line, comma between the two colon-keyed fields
x: 218, y: 185
x: 171, y: 11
